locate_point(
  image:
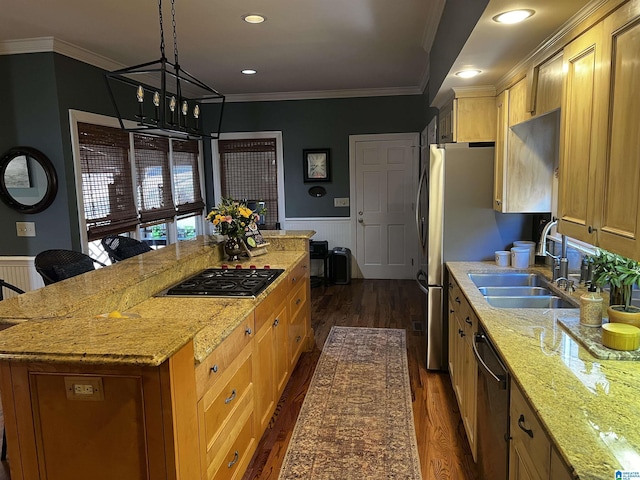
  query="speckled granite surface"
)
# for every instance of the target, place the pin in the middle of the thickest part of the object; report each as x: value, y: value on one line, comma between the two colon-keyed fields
x: 589, y: 406
x: 59, y: 323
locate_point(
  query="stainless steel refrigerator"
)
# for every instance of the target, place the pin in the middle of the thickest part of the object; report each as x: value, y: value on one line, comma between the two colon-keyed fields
x: 456, y: 222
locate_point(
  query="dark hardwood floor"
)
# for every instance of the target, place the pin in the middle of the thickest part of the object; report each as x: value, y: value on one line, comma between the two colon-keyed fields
x: 444, y: 452
x: 442, y: 444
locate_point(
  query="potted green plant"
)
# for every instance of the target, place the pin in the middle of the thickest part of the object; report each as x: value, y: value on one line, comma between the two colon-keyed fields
x: 621, y: 274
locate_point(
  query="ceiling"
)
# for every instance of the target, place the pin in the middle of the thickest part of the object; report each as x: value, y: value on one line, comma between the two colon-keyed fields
x: 305, y: 49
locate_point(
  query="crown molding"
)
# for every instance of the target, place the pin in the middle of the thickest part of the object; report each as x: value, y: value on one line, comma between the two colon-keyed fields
x: 51, y: 44
x: 474, y: 91
x: 431, y: 27
x: 322, y: 94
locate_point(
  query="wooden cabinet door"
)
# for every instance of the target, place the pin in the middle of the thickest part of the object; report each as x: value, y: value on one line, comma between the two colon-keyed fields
x: 518, y: 103
x: 264, y: 376
x: 544, y: 86
x: 619, y: 228
x: 580, y: 133
x: 502, y: 110
x: 280, y: 349
x: 470, y: 392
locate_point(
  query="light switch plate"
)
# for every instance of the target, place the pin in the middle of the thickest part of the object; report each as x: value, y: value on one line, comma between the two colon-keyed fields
x: 26, y: 229
x: 341, y: 202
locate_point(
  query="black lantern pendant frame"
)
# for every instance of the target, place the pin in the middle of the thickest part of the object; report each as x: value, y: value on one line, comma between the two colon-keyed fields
x: 155, y: 114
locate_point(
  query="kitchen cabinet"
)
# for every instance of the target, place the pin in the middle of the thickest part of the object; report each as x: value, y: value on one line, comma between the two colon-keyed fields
x: 531, y: 453
x: 544, y: 85
x: 299, y: 309
x: 468, y: 117
x: 463, y: 368
x: 271, y: 360
x: 600, y: 167
x: 227, y: 429
x: 525, y: 155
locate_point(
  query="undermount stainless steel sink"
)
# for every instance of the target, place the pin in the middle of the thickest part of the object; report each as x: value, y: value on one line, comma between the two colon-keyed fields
x: 508, y: 279
x: 514, y: 291
x: 518, y: 290
x: 539, y: 301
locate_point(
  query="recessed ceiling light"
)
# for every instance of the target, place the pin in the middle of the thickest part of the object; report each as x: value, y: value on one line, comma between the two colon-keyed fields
x: 513, y: 16
x: 468, y: 73
x: 253, y: 18
x: 249, y: 71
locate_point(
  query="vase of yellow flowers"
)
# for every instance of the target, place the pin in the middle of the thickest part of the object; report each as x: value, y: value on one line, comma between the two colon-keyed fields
x: 233, y: 219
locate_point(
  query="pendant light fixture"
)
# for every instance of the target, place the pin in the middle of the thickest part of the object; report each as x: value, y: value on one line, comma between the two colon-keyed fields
x: 169, y: 100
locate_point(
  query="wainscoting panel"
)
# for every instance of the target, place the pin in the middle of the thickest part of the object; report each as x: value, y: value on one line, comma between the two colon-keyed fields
x: 335, y: 230
x: 19, y: 271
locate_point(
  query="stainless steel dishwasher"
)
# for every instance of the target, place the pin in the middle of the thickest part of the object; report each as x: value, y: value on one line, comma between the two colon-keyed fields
x: 493, y: 410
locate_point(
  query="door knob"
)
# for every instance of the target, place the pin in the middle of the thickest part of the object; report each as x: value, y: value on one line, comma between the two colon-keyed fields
x: 360, y: 220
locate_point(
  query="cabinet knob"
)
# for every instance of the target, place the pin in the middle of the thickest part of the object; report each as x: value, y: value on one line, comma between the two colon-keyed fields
x: 591, y: 229
x: 468, y: 321
x: 298, y: 338
x: 451, y: 310
x: 457, y: 300
x: 498, y: 202
x: 461, y: 332
x: 248, y: 331
x: 214, y: 369
x: 298, y: 301
x: 276, y: 322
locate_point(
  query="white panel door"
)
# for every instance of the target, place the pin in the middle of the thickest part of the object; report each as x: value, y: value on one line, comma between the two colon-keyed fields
x: 386, y: 170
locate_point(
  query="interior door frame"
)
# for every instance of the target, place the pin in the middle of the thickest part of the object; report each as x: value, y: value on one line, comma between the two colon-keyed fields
x: 353, y: 139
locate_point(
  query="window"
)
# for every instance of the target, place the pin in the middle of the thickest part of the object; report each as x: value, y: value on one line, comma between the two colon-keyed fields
x: 138, y: 185
x: 248, y: 166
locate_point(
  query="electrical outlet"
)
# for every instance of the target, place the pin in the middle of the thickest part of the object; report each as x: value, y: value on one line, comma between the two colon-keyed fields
x: 26, y: 229
x: 85, y: 388
x: 341, y: 202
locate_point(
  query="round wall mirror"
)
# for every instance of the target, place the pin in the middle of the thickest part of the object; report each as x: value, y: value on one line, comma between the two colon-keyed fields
x: 28, y: 181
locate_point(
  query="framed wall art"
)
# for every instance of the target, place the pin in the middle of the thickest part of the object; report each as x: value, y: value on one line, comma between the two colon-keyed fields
x: 317, y: 164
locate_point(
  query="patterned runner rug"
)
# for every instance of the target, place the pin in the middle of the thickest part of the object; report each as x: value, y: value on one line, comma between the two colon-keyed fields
x: 356, y: 421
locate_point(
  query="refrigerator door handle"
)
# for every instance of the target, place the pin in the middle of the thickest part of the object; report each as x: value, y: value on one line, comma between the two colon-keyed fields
x: 421, y: 279
x: 420, y: 219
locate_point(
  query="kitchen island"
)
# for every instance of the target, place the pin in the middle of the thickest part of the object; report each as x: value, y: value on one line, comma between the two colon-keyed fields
x: 589, y: 407
x: 137, y: 396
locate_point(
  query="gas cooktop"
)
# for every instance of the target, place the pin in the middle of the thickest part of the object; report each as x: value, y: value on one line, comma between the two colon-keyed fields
x: 220, y: 282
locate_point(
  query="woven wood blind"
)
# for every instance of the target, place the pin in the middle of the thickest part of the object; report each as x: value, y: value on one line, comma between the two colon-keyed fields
x: 249, y: 171
x: 107, y: 191
x: 186, y: 177
x: 155, y: 200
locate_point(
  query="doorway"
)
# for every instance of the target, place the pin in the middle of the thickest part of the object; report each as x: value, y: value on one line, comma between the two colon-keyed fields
x: 384, y: 173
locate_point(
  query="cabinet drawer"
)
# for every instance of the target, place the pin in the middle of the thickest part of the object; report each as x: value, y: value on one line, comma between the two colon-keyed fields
x: 527, y: 432
x: 299, y: 273
x: 216, y: 364
x: 220, y: 403
x: 234, y: 462
x: 298, y: 299
x: 266, y: 309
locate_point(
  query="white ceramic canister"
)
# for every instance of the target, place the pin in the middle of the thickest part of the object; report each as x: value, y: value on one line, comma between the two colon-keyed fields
x: 502, y: 258
x: 520, y: 257
x: 532, y: 249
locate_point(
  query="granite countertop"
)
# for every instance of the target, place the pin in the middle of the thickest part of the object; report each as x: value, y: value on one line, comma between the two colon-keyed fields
x: 589, y: 406
x: 65, y: 322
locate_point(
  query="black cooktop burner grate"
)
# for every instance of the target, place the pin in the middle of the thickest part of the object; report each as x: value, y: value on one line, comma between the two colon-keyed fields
x: 218, y: 282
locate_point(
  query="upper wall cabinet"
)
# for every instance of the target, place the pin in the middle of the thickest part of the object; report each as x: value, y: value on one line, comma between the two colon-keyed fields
x: 525, y: 156
x: 544, y: 86
x: 468, y: 117
x: 600, y: 161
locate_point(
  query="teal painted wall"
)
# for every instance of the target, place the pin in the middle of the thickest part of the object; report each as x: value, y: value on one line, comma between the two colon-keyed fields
x: 323, y: 123
x: 39, y: 89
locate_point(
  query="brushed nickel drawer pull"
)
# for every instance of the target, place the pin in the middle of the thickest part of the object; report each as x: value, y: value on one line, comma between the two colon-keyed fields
x: 523, y: 428
x: 457, y: 299
x: 248, y: 331
x: 468, y: 321
x: 230, y: 399
x: 461, y: 332
x: 214, y: 369
x: 235, y: 459
x: 276, y: 322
